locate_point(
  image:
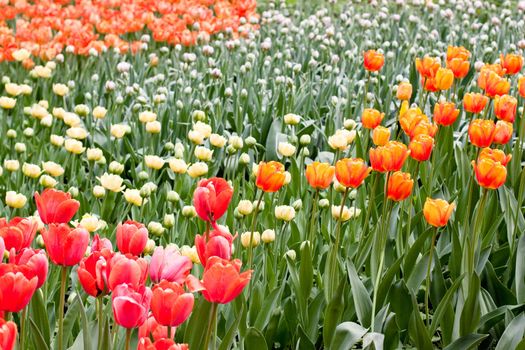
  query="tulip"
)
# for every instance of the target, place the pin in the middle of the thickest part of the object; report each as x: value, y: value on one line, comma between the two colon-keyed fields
x: 132, y: 237
x: 459, y: 67
x: 93, y: 274
x: 496, y: 68
x: 18, y: 233
x: 126, y: 269
x: 102, y: 245
x: 489, y: 173
x: 503, y: 132
x: 511, y: 63
x: 389, y: 157
x: 64, y: 245
x: 437, y: 211
x: 410, y: 117
x: 270, y: 176
x: 130, y: 305
x: 457, y: 52
x: 371, y: 118
x: 429, y: 84
x: 151, y: 328
x: 481, y: 132
x: 320, y: 175
x: 373, y: 60
x: 424, y: 127
x: 380, y: 136
x: 160, y: 344
x: 492, y: 83
x: 35, y: 261
x: 2, y: 249
x: 444, y: 78
x: 521, y: 86
x: 168, y: 264
x: 16, y: 290
x: 211, y: 198
x: 170, y: 305
x: 351, y: 172
x: 421, y: 147
x: 7, y: 334
x: 505, y: 107
x: 474, y: 103
x: 399, y: 186
x: 496, y: 155
x: 427, y: 67
x: 55, y: 207
x: 222, y: 280
x: 404, y: 91
x: 219, y: 244
x: 445, y: 113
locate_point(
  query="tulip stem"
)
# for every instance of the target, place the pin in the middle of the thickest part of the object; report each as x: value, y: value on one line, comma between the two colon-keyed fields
x: 100, y: 304
x: 211, y: 326
x: 313, y: 222
x: 22, y: 328
x: 63, y: 282
x: 333, y: 257
x: 254, y: 221
x: 429, y: 267
x: 128, y: 337
x: 475, y: 233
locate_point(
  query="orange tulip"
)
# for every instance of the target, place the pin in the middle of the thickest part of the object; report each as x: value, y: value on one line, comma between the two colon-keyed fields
x: 427, y: 67
x: 496, y: 68
x: 399, y: 186
x: 270, y: 176
x: 404, y: 91
x: 512, y: 63
x: 371, y: 118
x: 505, y: 107
x: 492, y: 83
x: 444, y: 78
x: 420, y: 147
x: 459, y: 67
x: 437, y: 211
x: 423, y: 127
x: 389, y: 157
x: 429, y: 84
x: 380, y: 135
x: 351, y: 172
x: 457, y: 52
x: 503, y: 132
x: 521, y: 86
x: 373, y: 60
x: 445, y: 113
x: 319, y: 175
x: 410, y: 117
x: 474, y: 103
x: 496, y: 155
x: 489, y: 174
x: 481, y: 132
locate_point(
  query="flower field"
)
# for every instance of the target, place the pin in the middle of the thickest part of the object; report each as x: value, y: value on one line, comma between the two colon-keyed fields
x: 212, y: 174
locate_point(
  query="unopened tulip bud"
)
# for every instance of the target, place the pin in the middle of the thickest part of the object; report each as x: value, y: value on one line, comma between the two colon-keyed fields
x: 169, y: 220
x: 268, y: 236
x: 297, y: 205
x: 172, y: 196
x: 305, y: 140
x: 246, y: 237
x: 250, y: 141
x: 244, y: 159
x: 292, y: 119
x: 291, y: 254
x: 156, y: 228
x: 349, y: 124
x: 190, y: 252
x: 188, y: 211
x: 11, y: 134
x: 284, y: 212
x: 324, y: 203
x: 143, y: 175
x: 99, y: 191
x: 40, y: 241
x: 198, y: 115
x: 20, y: 147
x: 149, y: 248
x: 116, y: 168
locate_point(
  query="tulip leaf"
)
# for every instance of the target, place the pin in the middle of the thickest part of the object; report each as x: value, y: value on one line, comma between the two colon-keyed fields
x: 513, y: 334
x: 37, y: 336
x: 347, y: 334
x: 254, y: 340
x: 466, y: 342
x: 362, y: 302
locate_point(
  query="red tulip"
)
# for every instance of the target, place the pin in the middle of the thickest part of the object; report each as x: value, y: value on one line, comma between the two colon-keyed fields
x: 151, y: 328
x: 130, y: 305
x: 219, y: 244
x: 132, y: 237
x: 55, y: 207
x: 101, y: 245
x: 2, y: 249
x: 93, y: 274
x: 18, y: 233
x: 168, y: 264
x: 222, y: 281
x: 35, y: 260
x: 161, y: 344
x: 170, y: 304
x: 127, y: 269
x: 64, y: 245
x: 211, y: 198
x: 7, y: 335
x: 16, y: 290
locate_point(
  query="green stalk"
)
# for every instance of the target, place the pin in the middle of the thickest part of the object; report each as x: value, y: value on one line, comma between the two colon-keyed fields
x: 128, y: 338
x: 211, y: 325
x: 254, y: 220
x: 63, y: 282
x: 429, y: 267
x: 22, y: 327
x: 100, y: 305
x: 311, y: 235
x: 475, y: 233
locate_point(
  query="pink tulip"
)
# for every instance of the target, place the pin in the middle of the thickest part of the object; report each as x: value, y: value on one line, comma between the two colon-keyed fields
x: 219, y: 244
x: 168, y: 264
x: 130, y: 305
x: 132, y: 237
x: 127, y: 269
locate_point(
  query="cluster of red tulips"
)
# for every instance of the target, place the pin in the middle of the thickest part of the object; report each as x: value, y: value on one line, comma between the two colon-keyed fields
x: 45, y: 27
x: 122, y: 275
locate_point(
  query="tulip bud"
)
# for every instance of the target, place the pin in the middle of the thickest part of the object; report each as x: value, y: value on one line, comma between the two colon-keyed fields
x: 245, y: 207
x: 11, y: 134
x: 99, y: 191
x: 169, y: 220
x: 155, y: 228
x: 47, y: 181
x: 284, y: 212
x: 149, y: 248
x: 116, y: 168
x: 292, y: 119
x: 305, y: 140
x: 143, y: 175
x: 250, y: 141
x: 20, y: 147
x: 349, y: 124
x: 172, y: 196
x: 189, y: 211
x: 291, y: 254
x: 297, y: 205
x: 246, y: 237
x: 190, y: 252
x: 324, y: 203
x: 268, y: 236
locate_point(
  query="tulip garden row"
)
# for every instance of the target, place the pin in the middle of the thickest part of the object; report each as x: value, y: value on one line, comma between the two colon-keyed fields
x: 208, y: 175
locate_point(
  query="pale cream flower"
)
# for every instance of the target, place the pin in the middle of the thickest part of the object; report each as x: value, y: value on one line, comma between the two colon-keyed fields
x: 56, y: 140
x: 60, y: 89
x: 111, y: 182
x: 203, y: 128
x: 31, y: 170
x: 15, y: 200
x: 154, y: 162
x: 284, y: 212
x: 217, y: 140
x: 53, y: 168
x: 198, y: 169
x: 7, y: 102
x: 178, y: 166
x: 21, y: 54
x: 74, y: 146
x: 133, y: 196
x: 203, y: 153
x: 147, y: 116
x: 286, y: 149
x: 99, y: 112
x: 77, y: 133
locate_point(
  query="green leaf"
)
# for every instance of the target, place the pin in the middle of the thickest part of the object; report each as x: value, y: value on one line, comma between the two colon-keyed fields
x: 469, y: 341
x: 513, y: 333
x: 471, y: 310
x: 270, y: 303
x: 417, y: 330
x: 40, y: 317
x: 333, y: 314
x: 197, y: 324
x: 347, y: 334
x: 520, y: 270
x: 37, y: 336
x: 254, y: 340
x: 444, y: 305
x: 362, y: 302
x: 85, y: 326
x: 230, y: 334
